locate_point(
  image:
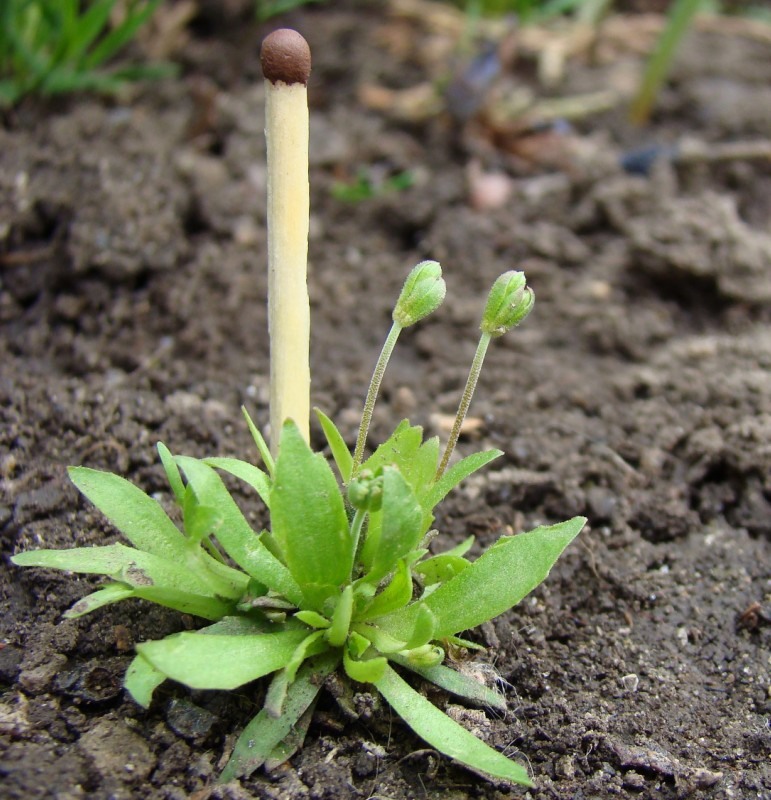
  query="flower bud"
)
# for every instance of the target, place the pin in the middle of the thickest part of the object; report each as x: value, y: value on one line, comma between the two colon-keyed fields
x: 422, y: 293
x: 365, y: 492
x: 509, y: 302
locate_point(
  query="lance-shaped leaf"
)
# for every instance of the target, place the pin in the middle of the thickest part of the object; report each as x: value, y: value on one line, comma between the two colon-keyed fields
x: 136, y: 515
x: 292, y: 742
x: 262, y: 445
x: 123, y: 564
x: 337, y: 445
x: 308, y: 518
x: 211, y: 608
x: 444, y: 734
x: 242, y: 626
x: 492, y: 584
x: 146, y: 525
x: 111, y: 593
x: 142, y: 679
x: 458, y: 472
x: 235, y: 534
x: 400, y: 525
x: 137, y: 574
x: 172, y: 473
x: 215, y: 661
x: 337, y: 632
x: 246, y: 472
x: 264, y: 733
x: 456, y: 683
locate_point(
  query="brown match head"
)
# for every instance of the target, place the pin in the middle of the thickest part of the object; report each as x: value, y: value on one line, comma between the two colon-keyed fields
x: 286, y: 57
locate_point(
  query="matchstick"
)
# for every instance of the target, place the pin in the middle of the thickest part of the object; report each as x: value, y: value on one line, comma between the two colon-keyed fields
x: 286, y: 65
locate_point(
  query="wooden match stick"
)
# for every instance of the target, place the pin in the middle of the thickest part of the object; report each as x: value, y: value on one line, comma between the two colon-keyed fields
x: 286, y: 65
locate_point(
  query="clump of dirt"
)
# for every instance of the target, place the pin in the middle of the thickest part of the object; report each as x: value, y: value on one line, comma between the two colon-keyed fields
x: 638, y: 393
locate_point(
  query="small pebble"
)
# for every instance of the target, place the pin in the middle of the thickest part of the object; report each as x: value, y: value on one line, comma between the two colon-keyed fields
x: 630, y: 682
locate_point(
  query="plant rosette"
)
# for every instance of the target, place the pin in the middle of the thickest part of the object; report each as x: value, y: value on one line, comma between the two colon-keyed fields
x: 342, y: 579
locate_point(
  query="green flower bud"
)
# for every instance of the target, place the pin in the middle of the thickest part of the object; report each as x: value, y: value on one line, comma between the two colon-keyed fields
x: 365, y: 493
x: 509, y: 302
x: 358, y: 491
x: 422, y: 293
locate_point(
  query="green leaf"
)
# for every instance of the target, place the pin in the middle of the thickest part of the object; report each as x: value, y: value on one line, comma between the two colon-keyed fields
x: 457, y: 641
x: 441, y: 568
x: 121, y: 35
x: 308, y: 519
x: 235, y: 534
x: 292, y: 742
x: 400, y: 524
x: 264, y: 734
x: 89, y: 25
x: 381, y: 641
x: 136, y: 515
x: 172, y: 473
x: 424, y: 628
x: 337, y: 445
x: 368, y: 671
x: 188, y: 603
x: 458, y: 472
x: 495, y: 582
x: 396, y: 595
x: 357, y: 644
x: 207, y: 607
x: 442, y: 733
x: 215, y: 661
x: 337, y: 632
x: 199, y: 521
x: 262, y: 445
x: 123, y: 564
x: 312, y: 644
x: 313, y: 619
x: 422, y: 469
x: 240, y: 626
x: 457, y: 683
x: 275, y: 697
x: 111, y: 593
x: 142, y: 679
x: 400, y: 449
x: 246, y: 472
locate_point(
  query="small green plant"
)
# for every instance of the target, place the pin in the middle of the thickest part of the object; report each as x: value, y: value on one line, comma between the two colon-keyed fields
x: 367, y: 185
x: 679, y: 18
x: 55, y: 46
x: 343, y: 578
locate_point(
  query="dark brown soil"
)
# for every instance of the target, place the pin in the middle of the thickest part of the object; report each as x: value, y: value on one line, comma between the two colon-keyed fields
x: 638, y: 393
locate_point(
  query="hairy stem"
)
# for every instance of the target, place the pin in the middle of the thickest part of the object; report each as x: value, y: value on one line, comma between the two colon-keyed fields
x: 374, y: 388
x: 465, y: 401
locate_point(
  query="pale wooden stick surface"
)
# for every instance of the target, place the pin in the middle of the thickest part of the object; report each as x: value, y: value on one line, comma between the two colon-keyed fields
x: 288, y: 213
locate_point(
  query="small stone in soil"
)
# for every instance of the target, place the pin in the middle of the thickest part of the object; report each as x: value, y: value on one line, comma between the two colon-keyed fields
x: 189, y: 720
